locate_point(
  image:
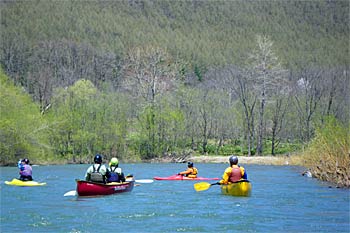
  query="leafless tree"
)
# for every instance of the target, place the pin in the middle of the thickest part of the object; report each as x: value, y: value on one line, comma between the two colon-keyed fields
x: 308, y: 95
x: 268, y: 75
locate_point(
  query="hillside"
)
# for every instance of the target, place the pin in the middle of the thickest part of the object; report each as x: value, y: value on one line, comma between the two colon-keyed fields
x: 145, y: 79
x: 202, y: 33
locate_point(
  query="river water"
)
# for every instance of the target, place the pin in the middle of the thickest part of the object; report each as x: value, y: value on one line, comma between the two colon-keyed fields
x: 282, y: 201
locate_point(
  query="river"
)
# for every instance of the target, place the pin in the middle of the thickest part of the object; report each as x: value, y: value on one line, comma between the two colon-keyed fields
x: 282, y: 201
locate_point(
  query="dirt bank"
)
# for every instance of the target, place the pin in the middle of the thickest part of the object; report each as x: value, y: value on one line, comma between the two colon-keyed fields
x: 261, y: 160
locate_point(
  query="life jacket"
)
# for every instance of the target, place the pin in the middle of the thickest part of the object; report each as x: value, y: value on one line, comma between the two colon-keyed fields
x: 26, y: 170
x: 236, y: 174
x: 96, y: 176
x: 194, y: 173
x: 115, y: 175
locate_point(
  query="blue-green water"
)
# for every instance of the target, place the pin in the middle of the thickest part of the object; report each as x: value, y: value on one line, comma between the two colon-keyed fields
x: 282, y: 201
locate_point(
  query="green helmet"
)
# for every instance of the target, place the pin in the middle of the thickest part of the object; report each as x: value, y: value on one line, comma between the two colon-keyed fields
x: 114, y: 162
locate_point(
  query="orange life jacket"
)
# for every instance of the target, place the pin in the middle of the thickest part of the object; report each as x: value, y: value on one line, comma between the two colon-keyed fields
x: 236, y: 174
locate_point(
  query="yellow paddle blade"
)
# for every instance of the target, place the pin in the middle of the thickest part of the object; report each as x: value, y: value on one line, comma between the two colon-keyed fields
x: 202, y: 186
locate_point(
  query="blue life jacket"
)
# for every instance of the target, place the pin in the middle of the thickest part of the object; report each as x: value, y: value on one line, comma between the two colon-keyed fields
x: 115, y: 176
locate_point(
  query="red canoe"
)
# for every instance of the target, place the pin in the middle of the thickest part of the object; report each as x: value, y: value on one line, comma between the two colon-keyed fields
x: 180, y: 177
x: 87, y: 188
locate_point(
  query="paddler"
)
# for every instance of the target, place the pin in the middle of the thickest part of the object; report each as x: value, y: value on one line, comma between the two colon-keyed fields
x: 191, y: 171
x: 25, y: 170
x: 234, y: 172
x: 114, y: 172
x: 97, y: 171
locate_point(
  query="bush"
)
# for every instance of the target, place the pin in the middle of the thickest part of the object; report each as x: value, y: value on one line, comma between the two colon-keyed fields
x: 327, y: 156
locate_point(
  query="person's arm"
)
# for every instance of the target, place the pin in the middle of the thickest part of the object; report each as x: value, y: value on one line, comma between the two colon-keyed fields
x: 226, y: 176
x: 122, y: 177
x: 87, y: 174
x: 243, y: 173
x: 104, y: 171
x: 188, y: 171
x: 20, y: 165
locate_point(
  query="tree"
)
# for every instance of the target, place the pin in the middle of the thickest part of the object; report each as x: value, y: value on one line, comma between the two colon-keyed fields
x: 268, y: 76
x: 22, y: 129
x: 308, y: 91
x: 279, y: 111
x: 148, y: 72
x: 239, y: 85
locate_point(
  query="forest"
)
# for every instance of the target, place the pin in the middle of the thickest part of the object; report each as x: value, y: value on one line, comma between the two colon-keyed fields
x: 141, y: 80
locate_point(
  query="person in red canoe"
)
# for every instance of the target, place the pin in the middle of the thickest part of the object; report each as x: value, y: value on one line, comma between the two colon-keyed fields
x: 114, y: 172
x: 234, y: 172
x: 25, y: 170
x: 97, y: 171
x: 191, y: 171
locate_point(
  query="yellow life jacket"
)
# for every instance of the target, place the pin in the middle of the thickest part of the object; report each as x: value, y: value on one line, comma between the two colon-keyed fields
x: 194, y: 173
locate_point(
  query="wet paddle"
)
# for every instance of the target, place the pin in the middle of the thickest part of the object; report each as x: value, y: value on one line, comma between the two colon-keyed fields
x: 202, y: 186
x: 70, y: 193
x: 144, y: 181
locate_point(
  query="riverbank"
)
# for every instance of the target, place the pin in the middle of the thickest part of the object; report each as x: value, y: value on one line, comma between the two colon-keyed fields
x: 258, y: 160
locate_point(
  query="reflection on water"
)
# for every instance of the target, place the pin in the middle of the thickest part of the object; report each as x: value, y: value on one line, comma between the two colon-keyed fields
x: 282, y: 201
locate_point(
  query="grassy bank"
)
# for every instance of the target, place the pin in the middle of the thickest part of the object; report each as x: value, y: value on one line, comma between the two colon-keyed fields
x: 328, y: 155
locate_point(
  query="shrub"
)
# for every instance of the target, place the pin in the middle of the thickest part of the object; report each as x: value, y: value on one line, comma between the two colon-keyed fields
x: 327, y: 156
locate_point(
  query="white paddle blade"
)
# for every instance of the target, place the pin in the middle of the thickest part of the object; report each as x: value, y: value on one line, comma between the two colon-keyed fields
x: 144, y: 181
x: 70, y: 193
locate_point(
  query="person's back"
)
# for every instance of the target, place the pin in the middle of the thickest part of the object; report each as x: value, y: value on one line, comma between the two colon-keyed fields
x: 234, y: 172
x: 96, y: 172
x: 191, y: 171
x: 25, y: 170
x: 115, y: 173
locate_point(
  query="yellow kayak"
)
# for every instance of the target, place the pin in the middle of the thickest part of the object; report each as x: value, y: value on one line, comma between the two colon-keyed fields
x: 17, y: 182
x: 239, y: 188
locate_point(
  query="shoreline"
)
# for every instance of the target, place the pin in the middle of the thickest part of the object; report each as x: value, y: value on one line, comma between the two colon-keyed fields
x: 258, y: 160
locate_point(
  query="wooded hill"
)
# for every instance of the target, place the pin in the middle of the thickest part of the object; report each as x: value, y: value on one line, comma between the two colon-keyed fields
x: 142, y: 79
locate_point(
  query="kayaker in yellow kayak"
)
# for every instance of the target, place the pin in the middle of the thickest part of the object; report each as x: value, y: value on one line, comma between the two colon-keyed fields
x: 234, y: 172
x: 97, y: 171
x: 114, y: 173
x: 25, y: 170
x: 191, y: 171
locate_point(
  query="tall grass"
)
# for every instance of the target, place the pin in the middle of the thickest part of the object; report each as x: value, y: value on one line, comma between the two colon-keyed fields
x: 328, y: 154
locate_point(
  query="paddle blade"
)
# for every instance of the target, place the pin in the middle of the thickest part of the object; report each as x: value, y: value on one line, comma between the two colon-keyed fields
x: 201, y: 186
x: 144, y: 181
x: 70, y: 193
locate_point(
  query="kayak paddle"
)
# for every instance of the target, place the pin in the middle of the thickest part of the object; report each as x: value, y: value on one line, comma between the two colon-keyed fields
x: 202, y: 186
x: 144, y: 181
x: 70, y: 193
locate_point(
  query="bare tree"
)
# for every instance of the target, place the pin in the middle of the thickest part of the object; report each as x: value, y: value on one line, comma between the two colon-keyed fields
x: 278, y: 116
x: 308, y: 93
x: 238, y: 84
x: 148, y: 72
x: 336, y: 93
x: 268, y: 76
